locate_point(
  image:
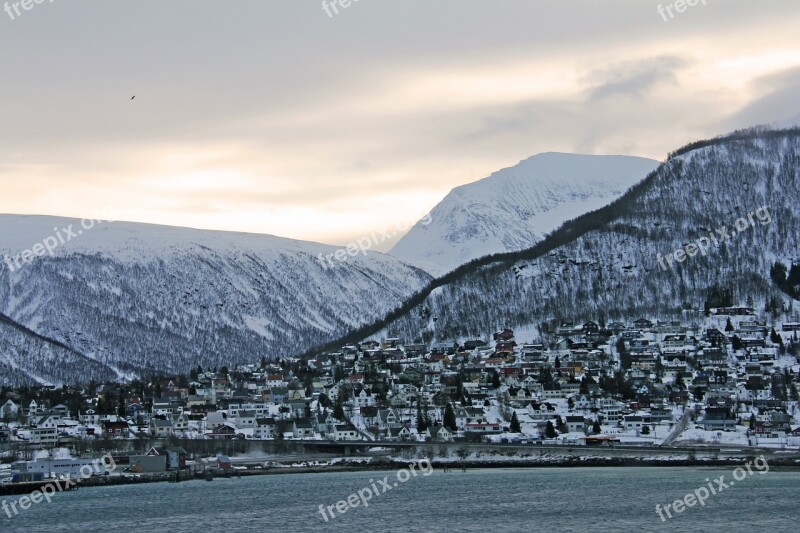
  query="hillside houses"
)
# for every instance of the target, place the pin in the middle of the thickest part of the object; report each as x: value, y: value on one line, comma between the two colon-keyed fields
x: 621, y: 378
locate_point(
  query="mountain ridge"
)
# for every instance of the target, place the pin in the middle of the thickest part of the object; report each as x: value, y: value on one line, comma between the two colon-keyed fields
x: 517, y: 206
x: 412, y: 318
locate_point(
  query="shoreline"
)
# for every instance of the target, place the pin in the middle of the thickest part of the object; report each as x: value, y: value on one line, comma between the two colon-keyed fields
x: 785, y: 465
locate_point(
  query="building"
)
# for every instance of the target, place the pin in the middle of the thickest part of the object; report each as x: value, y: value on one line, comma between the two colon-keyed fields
x: 63, y: 467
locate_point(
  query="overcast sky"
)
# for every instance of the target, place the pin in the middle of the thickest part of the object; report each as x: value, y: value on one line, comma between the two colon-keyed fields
x: 269, y: 116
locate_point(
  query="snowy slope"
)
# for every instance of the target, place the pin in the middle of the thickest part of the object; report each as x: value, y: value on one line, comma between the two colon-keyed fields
x: 516, y: 207
x: 127, y: 298
x: 610, y: 264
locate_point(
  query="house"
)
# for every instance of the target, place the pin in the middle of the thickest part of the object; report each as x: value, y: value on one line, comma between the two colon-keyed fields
x: 732, y: 311
x: 89, y: 418
x: 9, y: 410
x: 674, y: 343
x: 324, y: 422
x: 134, y: 410
x: 643, y: 324
x: 223, y: 432
x: 117, y: 428
x: 345, y: 432
x: 44, y: 436
x: 245, y: 419
x: 180, y: 422
x: 161, y: 429
x: 718, y: 419
x: 473, y: 344
x: 401, y: 433
x: 615, y: 327
x: 224, y: 462
x: 483, y: 427
x: 388, y: 419
x: 541, y: 411
x: 506, y: 347
x: 504, y: 335
x: 566, y: 328
x: 364, y: 399
x: 48, y: 421
x: 439, y: 434
x: 575, y: 424
x: 176, y: 456
x: 590, y: 327
x: 633, y: 422
x: 163, y: 407
x: 446, y: 348
x: 264, y: 428
x: 302, y: 428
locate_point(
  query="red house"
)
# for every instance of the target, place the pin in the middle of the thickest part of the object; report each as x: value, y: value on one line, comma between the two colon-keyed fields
x: 115, y: 429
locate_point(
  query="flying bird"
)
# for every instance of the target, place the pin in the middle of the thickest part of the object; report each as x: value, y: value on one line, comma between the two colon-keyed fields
x: 132, y: 97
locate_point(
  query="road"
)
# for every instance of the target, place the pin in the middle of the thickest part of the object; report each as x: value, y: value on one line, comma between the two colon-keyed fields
x: 679, y: 428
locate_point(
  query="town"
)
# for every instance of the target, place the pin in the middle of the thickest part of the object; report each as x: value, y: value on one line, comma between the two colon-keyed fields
x: 727, y: 380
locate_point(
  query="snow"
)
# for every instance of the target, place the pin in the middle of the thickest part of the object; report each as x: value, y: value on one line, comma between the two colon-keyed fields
x: 201, y: 293
x: 516, y: 207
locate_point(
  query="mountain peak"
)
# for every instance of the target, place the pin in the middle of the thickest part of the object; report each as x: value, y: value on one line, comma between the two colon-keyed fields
x: 514, y: 208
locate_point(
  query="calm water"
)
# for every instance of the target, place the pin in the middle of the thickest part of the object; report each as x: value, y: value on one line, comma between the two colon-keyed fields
x: 576, y: 499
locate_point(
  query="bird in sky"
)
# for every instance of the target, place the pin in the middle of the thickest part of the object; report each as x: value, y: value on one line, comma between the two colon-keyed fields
x: 132, y: 97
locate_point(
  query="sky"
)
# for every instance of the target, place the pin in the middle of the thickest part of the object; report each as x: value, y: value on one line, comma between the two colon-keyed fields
x: 279, y: 117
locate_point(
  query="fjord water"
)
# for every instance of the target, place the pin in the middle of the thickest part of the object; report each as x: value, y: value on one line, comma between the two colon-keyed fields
x: 570, y: 499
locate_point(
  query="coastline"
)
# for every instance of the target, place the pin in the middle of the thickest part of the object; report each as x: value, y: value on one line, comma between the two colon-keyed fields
x: 776, y: 464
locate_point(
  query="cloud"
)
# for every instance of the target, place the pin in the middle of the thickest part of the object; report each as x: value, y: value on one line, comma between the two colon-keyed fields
x: 634, y: 79
x: 780, y: 105
x: 271, y: 116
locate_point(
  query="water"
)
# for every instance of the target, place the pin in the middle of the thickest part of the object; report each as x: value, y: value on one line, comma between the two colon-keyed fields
x: 572, y: 499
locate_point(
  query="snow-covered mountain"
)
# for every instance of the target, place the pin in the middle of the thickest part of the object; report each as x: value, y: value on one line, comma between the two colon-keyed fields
x: 124, y: 298
x: 516, y: 207
x: 743, y: 189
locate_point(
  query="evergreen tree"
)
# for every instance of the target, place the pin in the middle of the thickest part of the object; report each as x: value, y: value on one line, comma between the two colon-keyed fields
x: 550, y: 431
x: 778, y: 273
x: 422, y: 418
x: 585, y: 382
x: 324, y: 401
x: 736, y: 343
x: 338, y: 409
x: 495, y: 380
x: 729, y: 326
x: 625, y: 359
x: 596, y: 429
x: 450, y: 418
x: 515, y: 427
x: 121, y: 410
